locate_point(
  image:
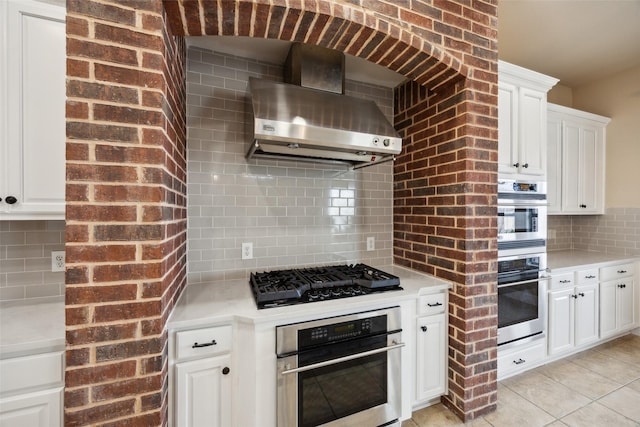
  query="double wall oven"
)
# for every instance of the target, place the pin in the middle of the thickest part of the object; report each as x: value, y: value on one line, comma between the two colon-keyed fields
x: 522, y: 259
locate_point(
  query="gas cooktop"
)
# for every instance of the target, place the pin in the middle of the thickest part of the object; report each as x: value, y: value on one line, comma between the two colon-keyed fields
x: 302, y: 285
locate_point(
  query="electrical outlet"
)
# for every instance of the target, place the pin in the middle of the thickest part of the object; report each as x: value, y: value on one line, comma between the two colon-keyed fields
x: 57, y: 261
x: 371, y: 243
x: 247, y: 250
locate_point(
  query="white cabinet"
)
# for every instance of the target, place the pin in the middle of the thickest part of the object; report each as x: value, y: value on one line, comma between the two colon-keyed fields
x: 515, y: 358
x: 576, y: 143
x: 37, y: 409
x: 522, y: 122
x: 203, y: 380
x: 31, y: 389
x: 203, y: 391
x: 32, y: 110
x: 617, y: 299
x: 573, y: 311
x: 431, y: 348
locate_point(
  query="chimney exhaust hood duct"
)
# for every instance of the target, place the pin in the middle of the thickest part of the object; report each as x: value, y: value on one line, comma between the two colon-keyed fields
x: 310, y: 119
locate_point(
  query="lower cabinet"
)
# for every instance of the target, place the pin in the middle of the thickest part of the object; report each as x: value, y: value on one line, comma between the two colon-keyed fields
x: 203, y: 391
x: 37, y: 409
x: 517, y: 358
x: 573, y: 314
x: 431, y: 348
x: 31, y: 389
x: 203, y: 377
x: 617, y: 300
x: 431, y: 355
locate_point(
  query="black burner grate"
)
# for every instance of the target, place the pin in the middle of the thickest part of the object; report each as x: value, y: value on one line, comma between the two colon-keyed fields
x: 284, y: 287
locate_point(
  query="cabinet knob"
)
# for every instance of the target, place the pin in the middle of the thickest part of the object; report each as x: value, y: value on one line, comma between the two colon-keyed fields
x: 10, y: 200
x: 526, y: 165
x: 515, y: 165
x: 225, y: 370
x: 424, y: 328
x: 583, y: 206
x: 574, y: 296
x: 581, y: 294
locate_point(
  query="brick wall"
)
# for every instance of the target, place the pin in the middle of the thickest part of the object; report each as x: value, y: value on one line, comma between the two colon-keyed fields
x: 445, y: 222
x: 126, y: 214
x: 445, y: 180
x: 125, y: 176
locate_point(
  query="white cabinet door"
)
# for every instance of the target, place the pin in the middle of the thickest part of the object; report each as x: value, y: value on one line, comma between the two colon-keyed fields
x: 617, y: 306
x: 532, y: 133
x: 431, y: 357
x: 626, y: 304
x: 576, y: 154
x: 608, y: 308
x: 33, y: 144
x: 554, y: 165
x: 38, y: 409
x: 507, y: 129
x: 586, y: 314
x: 561, y: 317
x: 203, y: 392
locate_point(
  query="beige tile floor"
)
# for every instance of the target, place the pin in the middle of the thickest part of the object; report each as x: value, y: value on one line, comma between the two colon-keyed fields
x: 597, y: 387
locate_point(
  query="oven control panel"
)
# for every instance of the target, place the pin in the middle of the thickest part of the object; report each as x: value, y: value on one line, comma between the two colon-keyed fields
x: 342, y: 331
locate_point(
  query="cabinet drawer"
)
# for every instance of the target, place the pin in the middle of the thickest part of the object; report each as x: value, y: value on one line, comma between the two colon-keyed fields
x: 432, y: 304
x: 520, y: 359
x: 31, y: 372
x: 203, y: 342
x: 561, y: 281
x: 616, y: 271
x: 588, y: 276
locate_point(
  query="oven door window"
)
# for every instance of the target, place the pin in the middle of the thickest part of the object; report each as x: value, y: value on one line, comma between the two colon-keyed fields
x: 517, y: 220
x: 517, y: 303
x: 338, y: 390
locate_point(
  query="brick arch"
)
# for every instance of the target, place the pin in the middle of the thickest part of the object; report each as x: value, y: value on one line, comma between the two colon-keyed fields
x: 352, y: 29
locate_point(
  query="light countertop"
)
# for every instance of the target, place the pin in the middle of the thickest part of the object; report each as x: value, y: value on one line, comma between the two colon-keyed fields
x: 31, y: 326
x: 227, y: 300
x: 570, y: 259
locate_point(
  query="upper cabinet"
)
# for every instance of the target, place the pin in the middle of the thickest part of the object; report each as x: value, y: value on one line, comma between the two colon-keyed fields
x: 576, y: 154
x: 522, y: 122
x: 32, y: 110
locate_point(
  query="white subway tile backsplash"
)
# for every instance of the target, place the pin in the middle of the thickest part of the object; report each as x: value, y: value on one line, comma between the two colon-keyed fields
x: 295, y: 213
x: 615, y: 232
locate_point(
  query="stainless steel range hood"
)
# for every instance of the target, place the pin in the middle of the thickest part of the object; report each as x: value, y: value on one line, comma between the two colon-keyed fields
x: 315, y: 123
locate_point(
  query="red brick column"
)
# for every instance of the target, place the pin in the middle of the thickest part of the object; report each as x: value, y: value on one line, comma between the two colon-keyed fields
x: 126, y: 209
x: 445, y: 221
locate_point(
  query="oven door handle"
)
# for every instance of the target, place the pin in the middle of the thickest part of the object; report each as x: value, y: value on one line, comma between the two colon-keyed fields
x: 343, y: 359
x: 522, y: 282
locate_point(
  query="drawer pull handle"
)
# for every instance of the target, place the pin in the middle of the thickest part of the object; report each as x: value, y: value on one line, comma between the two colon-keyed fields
x: 622, y: 286
x: 437, y: 304
x: 565, y: 281
x: 581, y: 294
x: 590, y: 277
x: 622, y: 271
x: 519, y: 361
x: 424, y: 328
x: 206, y: 344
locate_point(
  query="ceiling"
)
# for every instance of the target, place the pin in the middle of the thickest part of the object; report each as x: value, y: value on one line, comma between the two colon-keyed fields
x: 576, y: 41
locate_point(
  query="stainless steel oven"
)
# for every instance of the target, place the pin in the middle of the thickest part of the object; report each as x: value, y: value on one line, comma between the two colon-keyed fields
x: 521, y: 303
x: 522, y: 215
x: 340, y: 371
